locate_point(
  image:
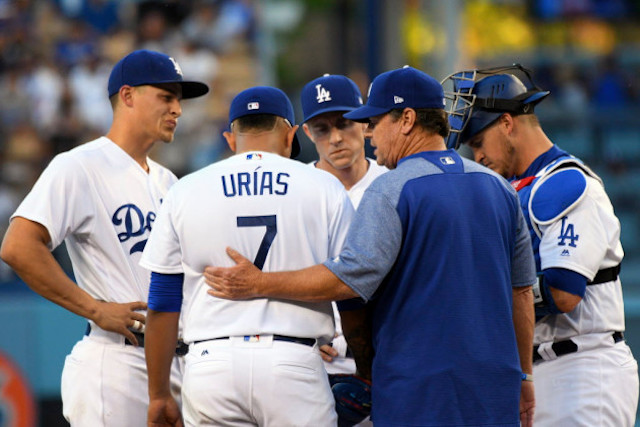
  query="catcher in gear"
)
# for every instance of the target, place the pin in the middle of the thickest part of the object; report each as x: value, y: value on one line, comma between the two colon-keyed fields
x: 585, y: 373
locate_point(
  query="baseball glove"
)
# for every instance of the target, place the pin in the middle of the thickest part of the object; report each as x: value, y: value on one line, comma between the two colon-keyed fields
x: 353, y: 398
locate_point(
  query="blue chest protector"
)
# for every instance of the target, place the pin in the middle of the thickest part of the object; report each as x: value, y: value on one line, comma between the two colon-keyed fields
x: 545, y: 198
x: 550, y: 194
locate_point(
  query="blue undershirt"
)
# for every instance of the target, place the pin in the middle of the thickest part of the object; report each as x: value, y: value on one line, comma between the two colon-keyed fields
x: 165, y: 292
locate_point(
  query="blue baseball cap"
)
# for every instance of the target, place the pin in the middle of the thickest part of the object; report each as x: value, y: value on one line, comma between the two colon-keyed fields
x: 264, y: 100
x: 329, y: 93
x: 404, y: 87
x: 146, y: 67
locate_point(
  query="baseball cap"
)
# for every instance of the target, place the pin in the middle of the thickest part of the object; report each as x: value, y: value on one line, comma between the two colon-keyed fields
x: 264, y: 100
x: 329, y: 93
x: 146, y: 67
x: 400, y: 88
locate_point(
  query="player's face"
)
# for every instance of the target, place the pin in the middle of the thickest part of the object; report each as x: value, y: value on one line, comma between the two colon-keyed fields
x: 492, y: 148
x: 384, y: 134
x: 159, y: 109
x: 339, y: 141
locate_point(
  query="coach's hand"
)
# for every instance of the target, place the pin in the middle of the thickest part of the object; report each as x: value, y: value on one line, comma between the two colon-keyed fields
x: 527, y: 404
x: 238, y: 282
x: 121, y: 318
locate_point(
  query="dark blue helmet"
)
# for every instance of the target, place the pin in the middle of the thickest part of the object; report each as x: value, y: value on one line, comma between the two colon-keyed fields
x: 477, y: 98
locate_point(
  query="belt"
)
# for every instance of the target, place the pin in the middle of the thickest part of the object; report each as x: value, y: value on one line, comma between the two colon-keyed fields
x: 605, y: 275
x: 181, y: 347
x: 304, y: 341
x: 561, y: 348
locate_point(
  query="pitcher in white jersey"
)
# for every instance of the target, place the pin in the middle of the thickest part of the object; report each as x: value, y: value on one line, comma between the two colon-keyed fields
x: 339, y: 143
x: 101, y: 199
x: 254, y: 362
x: 584, y: 371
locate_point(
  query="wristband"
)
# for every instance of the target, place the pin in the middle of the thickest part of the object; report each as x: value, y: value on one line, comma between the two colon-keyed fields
x: 527, y: 377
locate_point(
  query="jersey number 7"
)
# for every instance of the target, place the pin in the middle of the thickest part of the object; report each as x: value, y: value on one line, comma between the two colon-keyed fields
x: 268, y: 221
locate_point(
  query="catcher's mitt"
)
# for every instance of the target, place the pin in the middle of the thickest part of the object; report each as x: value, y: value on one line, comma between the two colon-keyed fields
x: 353, y: 398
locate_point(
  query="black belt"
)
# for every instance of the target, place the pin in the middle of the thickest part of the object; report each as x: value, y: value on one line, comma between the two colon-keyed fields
x: 561, y: 348
x: 304, y: 341
x: 181, y: 347
x: 606, y: 275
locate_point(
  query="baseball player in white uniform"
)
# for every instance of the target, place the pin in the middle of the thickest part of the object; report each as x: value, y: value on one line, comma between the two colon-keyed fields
x: 583, y: 370
x: 254, y: 362
x: 101, y: 198
x: 340, y: 146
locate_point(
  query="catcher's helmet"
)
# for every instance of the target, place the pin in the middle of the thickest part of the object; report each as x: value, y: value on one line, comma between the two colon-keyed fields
x: 479, y: 97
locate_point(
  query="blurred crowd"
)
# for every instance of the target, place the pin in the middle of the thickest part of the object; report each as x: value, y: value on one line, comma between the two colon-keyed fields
x: 56, y: 56
x: 55, y: 60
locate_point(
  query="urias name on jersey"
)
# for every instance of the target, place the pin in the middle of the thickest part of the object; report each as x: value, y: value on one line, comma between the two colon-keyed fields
x: 258, y: 183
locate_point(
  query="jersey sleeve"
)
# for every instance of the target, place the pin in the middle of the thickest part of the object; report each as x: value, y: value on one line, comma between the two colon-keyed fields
x: 576, y: 241
x: 523, y: 267
x: 371, y: 247
x: 60, y: 200
x: 162, y: 253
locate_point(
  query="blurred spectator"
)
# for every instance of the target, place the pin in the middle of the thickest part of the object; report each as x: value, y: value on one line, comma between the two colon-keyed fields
x: 18, y: 109
x: 44, y: 85
x: 120, y: 42
x: 156, y: 30
x: 87, y: 87
x: 69, y: 129
x: 571, y: 94
x: 78, y: 44
x: 101, y: 15
x: 217, y: 23
x: 611, y: 87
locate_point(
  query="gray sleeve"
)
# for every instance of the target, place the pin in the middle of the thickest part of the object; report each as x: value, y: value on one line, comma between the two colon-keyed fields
x: 371, y: 247
x: 523, y: 266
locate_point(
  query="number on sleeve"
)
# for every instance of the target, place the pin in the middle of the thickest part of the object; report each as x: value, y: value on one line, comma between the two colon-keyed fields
x: 268, y: 221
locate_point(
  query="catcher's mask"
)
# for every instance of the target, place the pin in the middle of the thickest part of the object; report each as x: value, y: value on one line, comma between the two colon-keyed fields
x: 477, y: 98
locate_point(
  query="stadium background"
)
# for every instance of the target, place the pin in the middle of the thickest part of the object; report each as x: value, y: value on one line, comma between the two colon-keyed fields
x: 55, y: 58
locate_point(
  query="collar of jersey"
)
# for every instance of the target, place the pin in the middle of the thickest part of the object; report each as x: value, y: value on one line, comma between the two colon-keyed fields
x: 431, y: 156
x: 541, y: 161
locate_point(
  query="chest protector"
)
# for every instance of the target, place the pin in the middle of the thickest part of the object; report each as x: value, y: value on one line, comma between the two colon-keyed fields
x: 552, y: 193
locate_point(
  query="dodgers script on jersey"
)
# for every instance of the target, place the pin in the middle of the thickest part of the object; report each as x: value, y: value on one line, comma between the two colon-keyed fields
x: 102, y: 204
x: 260, y: 204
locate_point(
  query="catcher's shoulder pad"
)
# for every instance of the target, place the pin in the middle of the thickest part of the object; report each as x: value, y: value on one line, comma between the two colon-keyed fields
x: 556, y: 194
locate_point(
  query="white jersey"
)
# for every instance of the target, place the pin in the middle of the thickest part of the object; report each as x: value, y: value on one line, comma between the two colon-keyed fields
x: 277, y: 212
x: 357, y: 191
x: 590, y: 232
x: 102, y: 203
x: 343, y: 364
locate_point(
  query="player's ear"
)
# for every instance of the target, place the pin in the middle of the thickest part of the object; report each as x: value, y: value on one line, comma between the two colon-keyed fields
x: 290, y: 134
x: 231, y: 139
x: 506, y: 123
x: 126, y: 95
x: 307, y: 132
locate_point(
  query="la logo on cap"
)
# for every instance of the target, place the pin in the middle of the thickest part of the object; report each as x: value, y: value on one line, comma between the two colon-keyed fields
x: 323, y: 94
x: 253, y: 106
x: 176, y: 66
